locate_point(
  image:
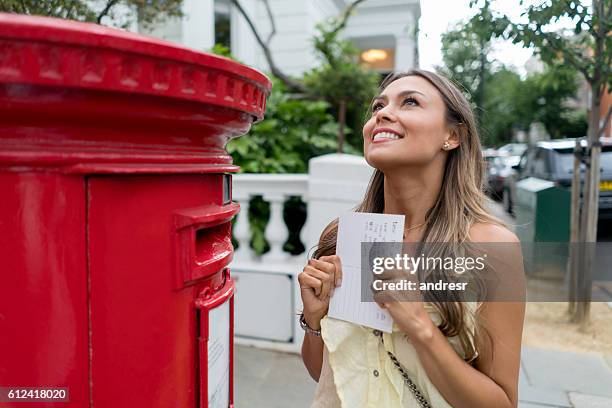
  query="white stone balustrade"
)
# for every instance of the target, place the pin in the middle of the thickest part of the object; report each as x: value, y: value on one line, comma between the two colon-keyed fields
x: 275, y: 189
x: 267, y: 292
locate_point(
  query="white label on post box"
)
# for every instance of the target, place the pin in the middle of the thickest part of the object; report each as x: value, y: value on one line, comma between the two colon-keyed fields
x: 218, y: 356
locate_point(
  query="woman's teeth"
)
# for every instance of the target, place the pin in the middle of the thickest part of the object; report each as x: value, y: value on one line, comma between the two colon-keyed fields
x: 384, y: 136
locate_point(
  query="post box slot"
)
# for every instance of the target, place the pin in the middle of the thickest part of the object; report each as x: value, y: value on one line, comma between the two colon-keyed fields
x: 203, y: 241
x: 212, y: 243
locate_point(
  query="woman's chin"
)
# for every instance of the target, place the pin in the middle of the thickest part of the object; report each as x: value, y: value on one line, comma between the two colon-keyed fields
x: 381, y: 161
x: 380, y: 156
x: 390, y: 161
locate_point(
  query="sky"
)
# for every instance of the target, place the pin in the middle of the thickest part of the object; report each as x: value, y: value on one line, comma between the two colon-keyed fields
x: 438, y: 15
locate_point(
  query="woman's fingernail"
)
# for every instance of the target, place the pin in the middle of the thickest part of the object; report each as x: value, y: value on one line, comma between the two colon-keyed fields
x: 338, y: 282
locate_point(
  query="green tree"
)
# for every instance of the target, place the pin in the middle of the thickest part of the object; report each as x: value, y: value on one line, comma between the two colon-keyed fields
x: 84, y: 10
x: 462, y: 58
x: 547, y: 94
x: 294, y: 131
x: 512, y: 103
x: 340, y: 79
x: 488, y: 85
x: 500, y: 116
x: 222, y: 50
x: 465, y: 60
x: 465, y: 54
x: 503, y: 101
x: 587, y: 47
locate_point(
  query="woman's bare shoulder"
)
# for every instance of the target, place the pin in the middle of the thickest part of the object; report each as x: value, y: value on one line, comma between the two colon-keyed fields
x: 490, y: 232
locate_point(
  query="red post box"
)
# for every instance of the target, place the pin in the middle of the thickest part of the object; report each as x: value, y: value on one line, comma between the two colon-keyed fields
x: 115, y: 216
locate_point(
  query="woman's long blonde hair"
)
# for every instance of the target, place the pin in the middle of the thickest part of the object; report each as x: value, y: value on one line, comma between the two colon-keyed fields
x: 460, y: 204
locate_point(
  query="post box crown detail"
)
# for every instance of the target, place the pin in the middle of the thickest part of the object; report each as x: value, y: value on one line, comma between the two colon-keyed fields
x: 82, y: 98
x: 54, y: 52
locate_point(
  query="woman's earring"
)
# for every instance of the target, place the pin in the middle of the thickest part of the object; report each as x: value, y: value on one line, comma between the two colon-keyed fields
x: 446, y: 145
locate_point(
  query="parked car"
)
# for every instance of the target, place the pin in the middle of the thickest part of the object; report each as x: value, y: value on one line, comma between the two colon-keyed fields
x: 512, y: 149
x: 498, y: 166
x: 498, y: 169
x: 491, y: 159
x: 554, y: 161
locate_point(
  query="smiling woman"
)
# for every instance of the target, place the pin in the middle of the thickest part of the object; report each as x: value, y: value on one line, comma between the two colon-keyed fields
x: 410, y: 105
x: 421, y: 138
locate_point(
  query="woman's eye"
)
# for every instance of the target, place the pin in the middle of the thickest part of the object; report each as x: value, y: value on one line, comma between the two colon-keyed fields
x: 410, y: 101
x: 407, y: 101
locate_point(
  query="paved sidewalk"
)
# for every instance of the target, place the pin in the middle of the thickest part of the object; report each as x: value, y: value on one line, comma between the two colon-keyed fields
x: 549, y: 379
x: 561, y: 379
x: 269, y: 379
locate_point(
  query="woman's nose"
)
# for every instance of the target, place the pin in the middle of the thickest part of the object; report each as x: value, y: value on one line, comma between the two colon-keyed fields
x: 385, y: 114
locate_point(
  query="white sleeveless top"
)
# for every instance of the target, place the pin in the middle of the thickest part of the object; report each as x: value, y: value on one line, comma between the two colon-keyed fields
x: 357, y: 372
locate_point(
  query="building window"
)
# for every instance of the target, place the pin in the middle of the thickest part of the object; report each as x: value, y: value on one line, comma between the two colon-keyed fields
x: 222, y: 24
x: 378, y: 59
x: 376, y: 52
